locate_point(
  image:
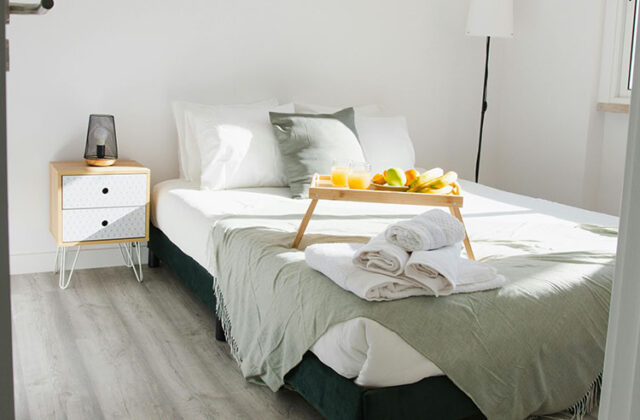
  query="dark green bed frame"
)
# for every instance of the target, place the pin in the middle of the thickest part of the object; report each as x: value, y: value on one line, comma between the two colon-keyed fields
x: 332, y: 395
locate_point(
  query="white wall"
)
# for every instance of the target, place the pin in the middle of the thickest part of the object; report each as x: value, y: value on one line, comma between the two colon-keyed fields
x: 545, y: 137
x: 131, y: 58
x: 608, y: 195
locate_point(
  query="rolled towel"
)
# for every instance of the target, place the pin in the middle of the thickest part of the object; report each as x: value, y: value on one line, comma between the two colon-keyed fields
x: 335, y: 262
x: 436, y: 269
x: 381, y: 257
x: 446, y: 273
x: 430, y: 230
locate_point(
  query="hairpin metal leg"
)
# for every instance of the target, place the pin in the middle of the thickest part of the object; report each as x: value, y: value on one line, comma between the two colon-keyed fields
x: 61, y: 255
x: 56, y: 267
x: 130, y: 252
x: 126, y: 256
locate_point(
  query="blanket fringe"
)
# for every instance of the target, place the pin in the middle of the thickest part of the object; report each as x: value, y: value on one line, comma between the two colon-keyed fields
x: 223, y: 316
x: 589, y: 402
x: 584, y: 406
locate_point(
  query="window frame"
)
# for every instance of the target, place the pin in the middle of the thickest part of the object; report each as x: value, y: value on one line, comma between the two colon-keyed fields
x: 616, y: 51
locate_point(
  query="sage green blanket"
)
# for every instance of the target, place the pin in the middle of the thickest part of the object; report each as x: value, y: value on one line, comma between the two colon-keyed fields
x: 533, y: 347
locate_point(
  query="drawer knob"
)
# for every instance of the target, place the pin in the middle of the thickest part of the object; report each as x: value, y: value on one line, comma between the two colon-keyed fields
x: 105, y: 190
x: 105, y: 223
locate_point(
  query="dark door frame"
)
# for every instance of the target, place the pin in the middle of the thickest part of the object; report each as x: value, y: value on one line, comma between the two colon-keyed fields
x: 6, y: 365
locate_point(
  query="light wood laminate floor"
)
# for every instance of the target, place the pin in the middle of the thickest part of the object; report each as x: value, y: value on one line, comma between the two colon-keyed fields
x: 109, y: 347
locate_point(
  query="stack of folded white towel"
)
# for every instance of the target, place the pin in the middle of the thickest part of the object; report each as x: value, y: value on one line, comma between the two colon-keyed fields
x: 416, y: 257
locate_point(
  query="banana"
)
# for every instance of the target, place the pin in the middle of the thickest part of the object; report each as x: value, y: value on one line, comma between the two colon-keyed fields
x: 425, y: 178
x: 447, y: 189
x: 456, y: 188
x: 446, y: 179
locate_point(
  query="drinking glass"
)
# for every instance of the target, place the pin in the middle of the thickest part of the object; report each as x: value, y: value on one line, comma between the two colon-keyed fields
x: 359, y: 175
x: 339, y: 173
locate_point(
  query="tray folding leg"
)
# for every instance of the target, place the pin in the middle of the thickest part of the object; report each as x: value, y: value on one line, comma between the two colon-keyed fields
x: 305, y: 222
x: 455, y: 212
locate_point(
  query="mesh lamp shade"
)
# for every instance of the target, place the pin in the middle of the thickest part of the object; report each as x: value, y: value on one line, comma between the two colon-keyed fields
x: 490, y: 18
x: 101, y: 148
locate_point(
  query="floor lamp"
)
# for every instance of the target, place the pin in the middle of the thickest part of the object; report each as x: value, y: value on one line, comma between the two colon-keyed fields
x: 490, y: 18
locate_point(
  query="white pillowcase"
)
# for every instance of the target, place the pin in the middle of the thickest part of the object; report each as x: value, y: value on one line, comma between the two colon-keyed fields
x: 238, y: 148
x: 386, y: 142
x: 188, y: 149
x: 366, y: 110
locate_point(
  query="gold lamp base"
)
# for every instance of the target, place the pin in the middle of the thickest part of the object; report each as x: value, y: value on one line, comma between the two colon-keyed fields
x: 100, y: 162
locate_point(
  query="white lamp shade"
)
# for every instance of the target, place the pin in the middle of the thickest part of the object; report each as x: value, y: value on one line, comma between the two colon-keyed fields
x: 490, y: 18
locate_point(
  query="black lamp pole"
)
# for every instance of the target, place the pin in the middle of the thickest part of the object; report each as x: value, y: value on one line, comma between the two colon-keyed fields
x: 484, y: 106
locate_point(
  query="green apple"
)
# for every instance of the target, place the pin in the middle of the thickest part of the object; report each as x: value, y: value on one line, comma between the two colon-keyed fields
x: 395, y: 177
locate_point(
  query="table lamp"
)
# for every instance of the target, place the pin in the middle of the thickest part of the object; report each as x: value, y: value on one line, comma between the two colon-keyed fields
x: 490, y: 18
x: 101, y: 148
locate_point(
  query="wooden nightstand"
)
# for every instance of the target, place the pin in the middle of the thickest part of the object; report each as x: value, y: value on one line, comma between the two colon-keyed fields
x: 99, y: 205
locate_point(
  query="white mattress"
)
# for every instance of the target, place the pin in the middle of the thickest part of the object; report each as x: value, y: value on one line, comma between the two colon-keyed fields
x: 360, y: 348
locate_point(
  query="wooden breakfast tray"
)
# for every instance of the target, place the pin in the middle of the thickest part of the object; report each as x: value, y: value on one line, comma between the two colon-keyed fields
x: 322, y: 189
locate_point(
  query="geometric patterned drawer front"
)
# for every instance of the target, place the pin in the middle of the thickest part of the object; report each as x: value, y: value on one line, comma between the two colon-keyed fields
x: 103, y: 223
x: 89, y: 191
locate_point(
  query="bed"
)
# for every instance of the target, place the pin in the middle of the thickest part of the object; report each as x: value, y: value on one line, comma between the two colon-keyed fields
x: 359, y: 368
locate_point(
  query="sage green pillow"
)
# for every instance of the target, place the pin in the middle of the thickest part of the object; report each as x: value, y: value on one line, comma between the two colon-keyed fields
x: 309, y: 143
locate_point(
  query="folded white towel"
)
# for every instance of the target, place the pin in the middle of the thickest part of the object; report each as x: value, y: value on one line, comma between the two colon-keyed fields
x: 430, y: 230
x: 474, y: 276
x: 437, y: 269
x: 381, y: 257
x: 444, y: 272
x: 335, y: 262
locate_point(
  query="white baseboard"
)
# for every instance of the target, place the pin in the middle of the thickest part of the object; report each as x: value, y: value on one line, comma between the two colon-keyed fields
x: 90, y: 257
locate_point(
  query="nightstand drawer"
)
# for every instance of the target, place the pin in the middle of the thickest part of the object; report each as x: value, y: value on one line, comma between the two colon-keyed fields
x: 103, y: 223
x: 91, y: 191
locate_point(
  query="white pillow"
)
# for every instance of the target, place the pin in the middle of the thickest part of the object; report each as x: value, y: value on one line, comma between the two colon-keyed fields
x: 188, y: 150
x: 386, y: 142
x: 238, y: 148
x: 365, y: 110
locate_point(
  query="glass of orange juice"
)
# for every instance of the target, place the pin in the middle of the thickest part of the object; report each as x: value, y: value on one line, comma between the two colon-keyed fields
x: 359, y: 175
x: 339, y: 173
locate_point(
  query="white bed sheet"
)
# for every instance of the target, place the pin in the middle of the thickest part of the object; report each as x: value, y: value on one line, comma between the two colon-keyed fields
x: 359, y: 348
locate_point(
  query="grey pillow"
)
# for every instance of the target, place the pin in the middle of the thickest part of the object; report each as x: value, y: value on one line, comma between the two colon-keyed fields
x: 309, y: 143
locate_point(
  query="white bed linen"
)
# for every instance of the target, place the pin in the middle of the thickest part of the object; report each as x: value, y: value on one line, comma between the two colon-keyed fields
x: 359, y: 348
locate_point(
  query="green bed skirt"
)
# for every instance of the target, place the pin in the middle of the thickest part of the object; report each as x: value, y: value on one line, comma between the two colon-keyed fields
x: 332, y: 395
